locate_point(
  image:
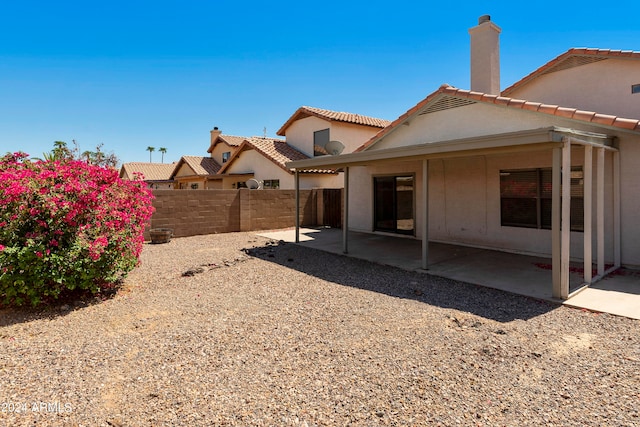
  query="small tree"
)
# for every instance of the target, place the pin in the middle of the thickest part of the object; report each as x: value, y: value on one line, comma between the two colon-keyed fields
x: 163, y: 151
x: 150, y: 149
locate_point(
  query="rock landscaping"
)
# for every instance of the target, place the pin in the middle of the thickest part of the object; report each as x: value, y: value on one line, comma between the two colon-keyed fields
x: 234, y: 329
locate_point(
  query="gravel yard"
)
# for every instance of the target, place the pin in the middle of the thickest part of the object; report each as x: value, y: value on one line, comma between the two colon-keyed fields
x: 206, y: 334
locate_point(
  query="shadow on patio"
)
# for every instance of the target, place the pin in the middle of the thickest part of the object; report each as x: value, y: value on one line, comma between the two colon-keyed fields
x: 400, y: 283
x: 618, y: 293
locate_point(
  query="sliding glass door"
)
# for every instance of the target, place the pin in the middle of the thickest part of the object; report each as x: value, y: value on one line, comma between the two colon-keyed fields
x: 393, y: 204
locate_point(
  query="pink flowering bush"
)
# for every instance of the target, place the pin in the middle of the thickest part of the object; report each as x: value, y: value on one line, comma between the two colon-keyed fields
x: 66, y: 225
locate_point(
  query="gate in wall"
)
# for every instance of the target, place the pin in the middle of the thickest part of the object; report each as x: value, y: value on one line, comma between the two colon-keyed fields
x: 332, y: 207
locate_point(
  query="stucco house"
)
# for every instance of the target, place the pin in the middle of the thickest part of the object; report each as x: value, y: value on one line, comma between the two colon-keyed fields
x: 222, y: 146
x: 157, y: 175
x: 549, y: 167
x: 307, y: 132
x: 309, y: 129
x: 264, y: 159
x: 195, y: 172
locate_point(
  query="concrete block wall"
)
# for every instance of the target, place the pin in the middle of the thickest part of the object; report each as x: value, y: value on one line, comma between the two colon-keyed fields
x: 268, y: 209
x: 194, y: 212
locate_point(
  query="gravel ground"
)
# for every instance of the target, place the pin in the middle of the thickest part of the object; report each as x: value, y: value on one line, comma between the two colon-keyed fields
x: 205, y: 333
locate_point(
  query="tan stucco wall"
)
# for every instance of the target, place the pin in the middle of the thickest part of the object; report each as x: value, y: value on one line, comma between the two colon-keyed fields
x: 300, y: 134
x: 464, y: 203
x: 187, y: 182
x: 603, y: 87
x: 184, y: 170
x: 250, y: 161
x: 630, y: 198
x: 220, y: 148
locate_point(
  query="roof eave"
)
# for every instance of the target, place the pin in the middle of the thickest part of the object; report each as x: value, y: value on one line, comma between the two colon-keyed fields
x: 527, y: 140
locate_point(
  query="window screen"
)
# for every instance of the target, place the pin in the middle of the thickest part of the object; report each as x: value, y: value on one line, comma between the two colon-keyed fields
x: 525, y: 198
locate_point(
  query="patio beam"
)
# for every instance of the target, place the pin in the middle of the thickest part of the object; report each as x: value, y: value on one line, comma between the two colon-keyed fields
x: 345, y: 218
x: 555, y: 222
x: 565, y: 221
x: 425, y: 214
x: 617, y: 252
x: 600, y: 212
x: 588, y: 223
x: 297, y: 184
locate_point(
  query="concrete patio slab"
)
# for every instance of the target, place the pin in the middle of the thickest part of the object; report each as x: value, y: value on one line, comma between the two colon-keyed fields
x: 617, y: 294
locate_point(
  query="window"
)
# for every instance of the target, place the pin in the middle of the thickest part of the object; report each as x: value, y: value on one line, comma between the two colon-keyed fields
x: 272, y: 184
x: 393, y: 204
x: 525, y: 198
x: 241, y: 184
x: 225, y: 156
x: 635, y: 88
x: 320, y: 139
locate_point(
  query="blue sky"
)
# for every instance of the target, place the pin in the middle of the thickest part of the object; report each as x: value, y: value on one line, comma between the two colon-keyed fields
x: 163, y: 73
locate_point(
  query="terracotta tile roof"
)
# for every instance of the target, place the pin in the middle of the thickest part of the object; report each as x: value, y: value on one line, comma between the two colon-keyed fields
x: 572, y: 58
x: 231, y: 140
x: 150, y: 171
x: 304, y: 112
x: 276, y: 150
x: 451, y: 94
x: 199, y: 164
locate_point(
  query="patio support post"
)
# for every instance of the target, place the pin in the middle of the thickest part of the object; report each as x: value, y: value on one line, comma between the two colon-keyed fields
x: 345, y: 219
x: 425, y: 214
x: 600, y: 211
x: 616, y: 210
x: 588, y: 196
x: 555, y: 221
x: 297, y: 206
x: 565, y: 222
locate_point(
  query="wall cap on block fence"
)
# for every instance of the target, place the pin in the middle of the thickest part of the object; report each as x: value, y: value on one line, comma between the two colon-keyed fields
x: 161, y: 235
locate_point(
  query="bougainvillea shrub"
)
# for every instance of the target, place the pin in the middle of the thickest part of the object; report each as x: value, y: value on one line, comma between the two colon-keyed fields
x: 66, y: 225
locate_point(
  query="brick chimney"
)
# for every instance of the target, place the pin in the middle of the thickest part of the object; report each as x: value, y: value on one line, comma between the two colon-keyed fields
x: 485, y: 56
x: 215, y: 133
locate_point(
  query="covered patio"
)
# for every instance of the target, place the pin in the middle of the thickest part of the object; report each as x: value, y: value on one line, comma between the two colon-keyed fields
x: 559, y: 142
x: 516, y: 273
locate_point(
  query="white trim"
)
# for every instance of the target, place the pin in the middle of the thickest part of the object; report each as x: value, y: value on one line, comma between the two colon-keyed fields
x: 588, y: 216
x: 565, y: 220
x: 600, y: 212
x: 556, y: 237
x: 345, y: 219
x: 617, y: 251
x: 425, y: 214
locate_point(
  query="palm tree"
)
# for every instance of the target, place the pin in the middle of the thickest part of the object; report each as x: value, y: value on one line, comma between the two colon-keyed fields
x: 150, y: 149
x: 162, y: 150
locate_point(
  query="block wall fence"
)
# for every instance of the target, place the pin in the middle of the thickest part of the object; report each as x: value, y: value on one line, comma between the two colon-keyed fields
x: 194, y: 212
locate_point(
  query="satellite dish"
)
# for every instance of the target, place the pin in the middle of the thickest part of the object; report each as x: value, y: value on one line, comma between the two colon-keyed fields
x: 334, y: 147
x: 254, y: 184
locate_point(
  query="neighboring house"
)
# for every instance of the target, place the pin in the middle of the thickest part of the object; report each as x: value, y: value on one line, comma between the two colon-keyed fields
x: 157, y: 175
x: 264, y: 159
x: 195, y: 173
x: 309, y: 129
x: 222, y: 147
x: 480, y: 169
x: 237, y: 159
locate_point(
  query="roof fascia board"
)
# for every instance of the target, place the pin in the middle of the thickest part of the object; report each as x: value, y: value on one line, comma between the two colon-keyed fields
x: 527, y: 140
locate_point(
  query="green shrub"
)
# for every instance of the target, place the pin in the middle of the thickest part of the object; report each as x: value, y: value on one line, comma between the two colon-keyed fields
x: 66, y: 225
